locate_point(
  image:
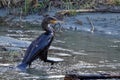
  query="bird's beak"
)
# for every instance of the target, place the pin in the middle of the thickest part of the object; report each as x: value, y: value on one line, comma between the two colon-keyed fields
x: 55, y: 21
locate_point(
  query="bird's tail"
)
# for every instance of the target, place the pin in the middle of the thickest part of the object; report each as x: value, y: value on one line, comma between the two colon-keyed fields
x: 22, y: 66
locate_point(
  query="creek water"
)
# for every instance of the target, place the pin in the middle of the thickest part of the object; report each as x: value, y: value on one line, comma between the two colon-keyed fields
x: 80, y: 50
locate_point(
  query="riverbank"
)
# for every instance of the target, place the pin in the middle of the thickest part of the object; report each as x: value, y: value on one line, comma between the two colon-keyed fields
x: 101, y: 22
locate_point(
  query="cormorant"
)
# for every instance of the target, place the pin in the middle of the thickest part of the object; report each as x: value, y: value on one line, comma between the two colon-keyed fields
x: 39, y: 47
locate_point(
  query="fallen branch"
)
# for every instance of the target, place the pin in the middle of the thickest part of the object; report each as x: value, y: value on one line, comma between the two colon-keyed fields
x: 64, y: 12
x: 90, y: 76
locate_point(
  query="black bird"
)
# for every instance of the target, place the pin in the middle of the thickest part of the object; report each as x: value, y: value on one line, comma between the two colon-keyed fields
x: 39, y: 47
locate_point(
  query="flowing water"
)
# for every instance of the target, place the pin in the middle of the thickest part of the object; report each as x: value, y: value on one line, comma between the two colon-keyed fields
x: 79, y: 51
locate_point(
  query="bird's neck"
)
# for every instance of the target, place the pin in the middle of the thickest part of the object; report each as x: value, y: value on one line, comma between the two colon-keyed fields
x: 47, y: 28
x: 50, y: 29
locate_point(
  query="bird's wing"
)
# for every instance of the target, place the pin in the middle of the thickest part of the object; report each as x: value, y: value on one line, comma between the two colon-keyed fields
x: 37, y: 46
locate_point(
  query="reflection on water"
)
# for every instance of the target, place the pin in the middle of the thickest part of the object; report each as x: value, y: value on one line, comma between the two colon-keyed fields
x: 81, y: 52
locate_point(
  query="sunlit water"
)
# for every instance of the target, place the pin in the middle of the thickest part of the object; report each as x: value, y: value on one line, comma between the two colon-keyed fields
x: 81, y: 52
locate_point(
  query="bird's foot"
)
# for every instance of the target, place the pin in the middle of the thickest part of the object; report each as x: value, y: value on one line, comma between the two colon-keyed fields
x: 53, y: 62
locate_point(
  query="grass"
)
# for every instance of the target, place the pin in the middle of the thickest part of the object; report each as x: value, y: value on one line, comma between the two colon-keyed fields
x: 117, y: 2
x: 27, y: 6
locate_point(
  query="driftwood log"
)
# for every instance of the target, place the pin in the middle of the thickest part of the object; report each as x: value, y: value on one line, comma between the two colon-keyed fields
x: 90, y: 76
x: 64, y: 12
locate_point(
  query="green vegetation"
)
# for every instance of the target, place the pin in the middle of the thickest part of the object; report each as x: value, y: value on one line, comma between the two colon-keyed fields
x: 26, y: 8
x: 32, y: 6
x: 36, y: 6
x: 117, y: 2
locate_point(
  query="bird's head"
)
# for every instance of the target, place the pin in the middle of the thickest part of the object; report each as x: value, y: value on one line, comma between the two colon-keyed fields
x: 50, y: 20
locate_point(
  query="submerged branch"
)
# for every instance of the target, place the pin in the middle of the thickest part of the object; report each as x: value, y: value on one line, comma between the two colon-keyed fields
x: 91, y: 23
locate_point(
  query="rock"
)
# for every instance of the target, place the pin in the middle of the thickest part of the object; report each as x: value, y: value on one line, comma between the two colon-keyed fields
x: 2, y: 48
x: 62, y: 54
x: 55, y: 59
